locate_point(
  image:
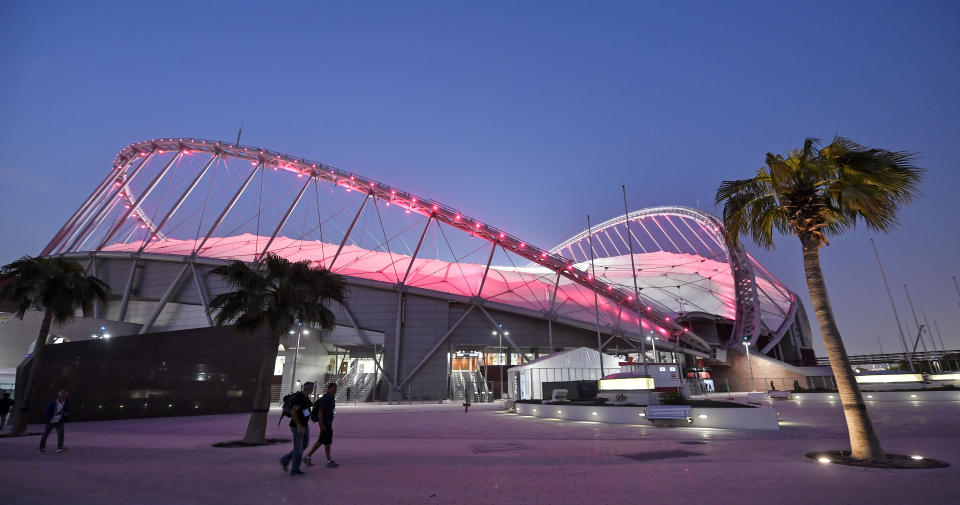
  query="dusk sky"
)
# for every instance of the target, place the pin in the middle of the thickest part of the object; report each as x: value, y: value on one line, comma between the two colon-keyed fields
x: 528, y: 115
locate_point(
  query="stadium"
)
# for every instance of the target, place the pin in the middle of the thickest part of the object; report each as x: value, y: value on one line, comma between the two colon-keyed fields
x: 440, y: 303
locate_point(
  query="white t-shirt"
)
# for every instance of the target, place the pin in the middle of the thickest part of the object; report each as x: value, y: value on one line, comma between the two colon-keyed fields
x: 58, y: 411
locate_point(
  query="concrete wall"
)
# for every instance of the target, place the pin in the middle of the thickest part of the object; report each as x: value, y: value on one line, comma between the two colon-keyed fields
x: 759, y: 418
x: 737, y: 374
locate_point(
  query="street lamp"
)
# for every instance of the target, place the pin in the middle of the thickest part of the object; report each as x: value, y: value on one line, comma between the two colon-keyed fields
x: 499, y: 333
x: 653, y: 342
x: 749, y: 365
x: 296, y: 352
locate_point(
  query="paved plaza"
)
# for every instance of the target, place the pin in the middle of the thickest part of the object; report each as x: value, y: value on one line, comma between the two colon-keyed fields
x: 426, y: 454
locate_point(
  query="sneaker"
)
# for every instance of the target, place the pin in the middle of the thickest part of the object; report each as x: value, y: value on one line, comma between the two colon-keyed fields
x: 307, y: 461
x: 41, y: 450
x: 332, y: 464
x: 285, y: 465
x: 61, y: 449
x: 298, y: 473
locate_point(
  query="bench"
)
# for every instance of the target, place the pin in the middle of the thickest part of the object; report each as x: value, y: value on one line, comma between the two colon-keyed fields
x: 653, y: 412
x: 779, y: 395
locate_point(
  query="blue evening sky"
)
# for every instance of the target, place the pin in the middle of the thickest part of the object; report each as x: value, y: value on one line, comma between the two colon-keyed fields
x: 528, y: 115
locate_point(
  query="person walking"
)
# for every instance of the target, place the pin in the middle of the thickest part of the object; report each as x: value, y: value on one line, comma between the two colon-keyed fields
x: 5, y: 405
x: 324, y: 408
x: 299, y: 427
x: 56, y: 414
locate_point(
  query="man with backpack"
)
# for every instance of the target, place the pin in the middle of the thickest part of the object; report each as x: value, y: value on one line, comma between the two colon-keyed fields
x: 323, y: 414
x: 297, y: 406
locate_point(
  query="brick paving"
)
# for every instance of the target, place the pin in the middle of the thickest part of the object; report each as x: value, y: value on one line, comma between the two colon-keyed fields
x: 437, y: 454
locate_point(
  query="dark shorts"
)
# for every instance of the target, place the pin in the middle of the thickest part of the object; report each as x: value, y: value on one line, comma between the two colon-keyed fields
x: 326, y: 436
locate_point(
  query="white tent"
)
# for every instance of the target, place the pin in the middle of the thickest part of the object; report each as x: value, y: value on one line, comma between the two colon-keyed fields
x: 576, y: 364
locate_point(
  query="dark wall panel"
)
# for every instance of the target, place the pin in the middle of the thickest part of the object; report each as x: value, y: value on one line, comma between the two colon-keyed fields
x: 189, y: 372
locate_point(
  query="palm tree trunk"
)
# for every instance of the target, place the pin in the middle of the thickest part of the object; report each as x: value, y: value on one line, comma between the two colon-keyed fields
x: 257, y: 425
x: 864, y: 443
x: 23, y: 403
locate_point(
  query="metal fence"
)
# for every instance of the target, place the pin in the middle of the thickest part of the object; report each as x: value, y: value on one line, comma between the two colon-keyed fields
x: 735, y: 384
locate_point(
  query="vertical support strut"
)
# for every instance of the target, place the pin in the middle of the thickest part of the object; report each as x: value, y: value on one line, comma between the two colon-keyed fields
x: 348, y: 232
x: 396, y: 339
x: 201, y: 293
x: 143, y: 196
x: 226, y: 210
x: 550, y: 334
x: 416, y: 250
x: 633, y: 271
x: 283, y: 221
x: 163, y: 301
x: 556, y: 286
x: 483, y: 279
x: 125, y: 301
x: 97, y: 304
x: 179, y: 202
x: 596, y: 298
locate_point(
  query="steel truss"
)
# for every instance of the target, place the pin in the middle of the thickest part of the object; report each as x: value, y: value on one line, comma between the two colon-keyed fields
x: 116, y: 188
x: 747, y: 323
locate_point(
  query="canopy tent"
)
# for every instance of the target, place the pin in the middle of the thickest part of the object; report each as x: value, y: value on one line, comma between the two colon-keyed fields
x: 576, y: 364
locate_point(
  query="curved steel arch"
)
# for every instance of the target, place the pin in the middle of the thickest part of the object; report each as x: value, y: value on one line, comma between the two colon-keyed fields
x: 747, y: 324
x: 72, y: 237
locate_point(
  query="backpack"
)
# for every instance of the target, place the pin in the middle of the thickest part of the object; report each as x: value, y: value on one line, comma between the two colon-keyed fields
x: 287, y: 407
x: 315, y: 413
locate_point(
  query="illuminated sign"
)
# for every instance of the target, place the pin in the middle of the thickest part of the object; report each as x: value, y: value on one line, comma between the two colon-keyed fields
x: 945, y: 377
x: 633, y: 383
x: 889, y: 378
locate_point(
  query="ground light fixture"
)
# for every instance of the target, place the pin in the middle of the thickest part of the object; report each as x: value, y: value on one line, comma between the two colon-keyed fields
x: 916, y: 457
x: 823, y: 459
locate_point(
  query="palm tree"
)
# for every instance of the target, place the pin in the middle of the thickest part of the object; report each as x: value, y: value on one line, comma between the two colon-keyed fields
x: 273, y: 295
x: 814, y: 193
x: 57, y: 286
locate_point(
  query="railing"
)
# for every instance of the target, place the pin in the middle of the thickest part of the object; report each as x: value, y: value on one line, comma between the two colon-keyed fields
x: 949, y: 357
x: 737, y: 384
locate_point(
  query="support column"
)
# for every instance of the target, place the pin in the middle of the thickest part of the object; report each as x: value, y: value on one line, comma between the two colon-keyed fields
x: 125, y: 300
x: 163, y: 301
x: 201, y: 293
x: 396, y: 340
x: 347, y: 234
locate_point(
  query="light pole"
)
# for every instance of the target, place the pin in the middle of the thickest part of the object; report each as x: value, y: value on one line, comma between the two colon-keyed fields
x: 653, y: 342
x: 499, y: 333
x: 749, y: 365
x: 296, y: 354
